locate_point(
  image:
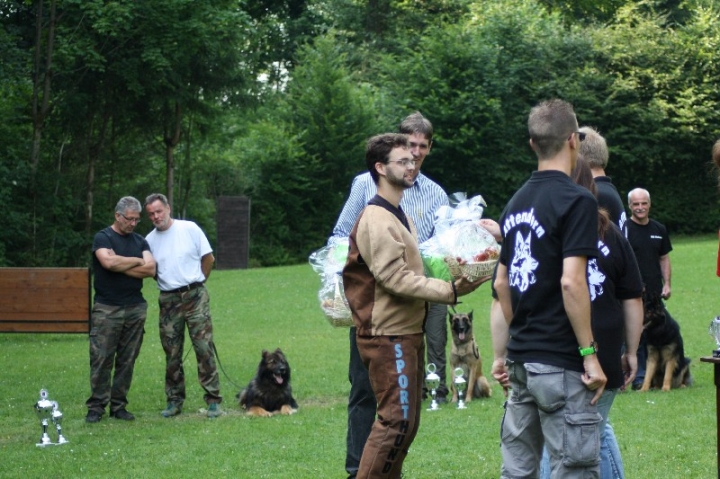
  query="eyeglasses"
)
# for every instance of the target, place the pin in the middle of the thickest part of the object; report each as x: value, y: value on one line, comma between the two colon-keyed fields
x: 404, y: 163
x: 131, y: 220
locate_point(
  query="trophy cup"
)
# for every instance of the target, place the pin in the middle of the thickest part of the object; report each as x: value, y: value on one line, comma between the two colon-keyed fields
x: 432, y: 380
x: 44, y: 410
x: 47, y: 411
x: 460, y: 387
x: 57, y: 419
x: 715, y: 333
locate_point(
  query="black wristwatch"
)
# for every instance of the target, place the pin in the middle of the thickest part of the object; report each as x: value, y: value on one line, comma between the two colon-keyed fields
x: 592, y: 349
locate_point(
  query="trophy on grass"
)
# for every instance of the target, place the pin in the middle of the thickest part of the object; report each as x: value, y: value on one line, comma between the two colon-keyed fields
x: 432, y: 380
x: 47, y: 411
x: 715, y: 333
x: 460, y: 387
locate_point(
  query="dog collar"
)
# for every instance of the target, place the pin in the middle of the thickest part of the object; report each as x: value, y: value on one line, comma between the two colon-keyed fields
x: 592, y: 349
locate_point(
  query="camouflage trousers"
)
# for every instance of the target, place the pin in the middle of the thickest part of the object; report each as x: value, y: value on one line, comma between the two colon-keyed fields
x: 176, y: 310
x: 115, y: 339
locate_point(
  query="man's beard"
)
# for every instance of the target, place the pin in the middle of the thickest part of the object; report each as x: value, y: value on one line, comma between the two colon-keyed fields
x: 398, y: 180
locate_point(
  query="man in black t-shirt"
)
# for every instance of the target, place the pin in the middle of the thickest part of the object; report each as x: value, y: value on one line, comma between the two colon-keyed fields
x: 651, y: 244
x: 121, y: 259
x: 546, y: 353
x: 594, y: 150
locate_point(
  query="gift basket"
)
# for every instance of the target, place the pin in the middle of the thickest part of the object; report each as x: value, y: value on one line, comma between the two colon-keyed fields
x: 328, y: 262
x: 459, y: 238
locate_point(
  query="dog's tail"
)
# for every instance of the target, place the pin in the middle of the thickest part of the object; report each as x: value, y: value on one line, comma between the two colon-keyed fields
x: 482, y: 388
x: 688, y: 379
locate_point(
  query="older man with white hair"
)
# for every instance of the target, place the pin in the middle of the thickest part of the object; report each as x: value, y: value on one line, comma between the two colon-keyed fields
x: 651, y: 243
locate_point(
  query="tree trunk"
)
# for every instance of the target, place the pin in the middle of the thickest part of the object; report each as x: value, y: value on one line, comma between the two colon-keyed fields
x: 94, y: 150
x: 40, y: 108
x: 172, y: 138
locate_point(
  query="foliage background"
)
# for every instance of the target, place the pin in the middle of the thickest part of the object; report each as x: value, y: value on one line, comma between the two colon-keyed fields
x: 273, y: 99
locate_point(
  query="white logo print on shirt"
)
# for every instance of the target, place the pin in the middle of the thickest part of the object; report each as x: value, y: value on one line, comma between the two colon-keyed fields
x: 596, y: 278
x: 523, y: 264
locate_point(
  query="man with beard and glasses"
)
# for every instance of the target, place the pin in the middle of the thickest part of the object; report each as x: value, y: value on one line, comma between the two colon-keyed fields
x: 387, y: 292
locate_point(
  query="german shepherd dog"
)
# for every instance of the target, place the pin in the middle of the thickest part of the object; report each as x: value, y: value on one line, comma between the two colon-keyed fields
x: 464, y: 353
x: 269, y: 392
x: 667, y: 367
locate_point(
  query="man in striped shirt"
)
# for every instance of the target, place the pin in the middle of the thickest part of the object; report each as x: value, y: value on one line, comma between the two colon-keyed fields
x: 420, y: 202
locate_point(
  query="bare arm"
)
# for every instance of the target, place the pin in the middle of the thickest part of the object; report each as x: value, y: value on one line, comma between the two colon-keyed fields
x: 502, y: 288
x: 576, y: 299
x: 206, y: 264
x: 633, y: 313
x: 666, y: 274
x: 147, y: 270
x: 499, y: 330
x: 118, y: 264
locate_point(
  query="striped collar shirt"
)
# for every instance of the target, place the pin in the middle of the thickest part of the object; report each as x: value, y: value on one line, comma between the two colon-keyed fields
x: 420, y: 202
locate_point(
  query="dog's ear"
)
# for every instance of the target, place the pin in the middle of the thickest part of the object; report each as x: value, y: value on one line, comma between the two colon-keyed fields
x: 470, y: 315
x: 265, y: 353
x: 450, y: 317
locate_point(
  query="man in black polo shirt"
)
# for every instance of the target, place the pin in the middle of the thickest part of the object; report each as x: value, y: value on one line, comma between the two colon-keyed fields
x: 651, y: 244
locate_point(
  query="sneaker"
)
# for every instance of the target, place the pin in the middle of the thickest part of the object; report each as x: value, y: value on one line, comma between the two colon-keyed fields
x: 637, y: 385
x: 171, y: 410
x: 93, y: 416
x: 122, y: 414
x: 213, y: 410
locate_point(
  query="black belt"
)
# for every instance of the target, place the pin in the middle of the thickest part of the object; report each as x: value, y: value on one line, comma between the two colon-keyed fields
x: 185, y: 289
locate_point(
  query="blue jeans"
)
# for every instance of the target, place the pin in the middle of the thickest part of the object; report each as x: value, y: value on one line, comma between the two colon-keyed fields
x: 641, y: 360
x: 611, y: 466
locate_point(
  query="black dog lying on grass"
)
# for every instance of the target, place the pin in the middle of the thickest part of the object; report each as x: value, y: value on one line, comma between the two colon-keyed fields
x: 667, y: 367
x: 269, y: 392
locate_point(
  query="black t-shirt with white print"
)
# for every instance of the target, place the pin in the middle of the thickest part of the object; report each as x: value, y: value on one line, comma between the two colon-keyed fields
x: 613, y: 277
x: 550, y: 218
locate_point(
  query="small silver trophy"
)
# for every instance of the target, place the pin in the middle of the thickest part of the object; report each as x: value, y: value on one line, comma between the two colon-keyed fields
x: 44, y: 410
x: 57, y: 420
x: 715, y: 333
x: 460, y: 387
x: 48, y: 411
x: 432, y: 380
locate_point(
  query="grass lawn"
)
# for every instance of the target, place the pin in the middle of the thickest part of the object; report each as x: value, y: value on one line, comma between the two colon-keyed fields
x: 660, y: 434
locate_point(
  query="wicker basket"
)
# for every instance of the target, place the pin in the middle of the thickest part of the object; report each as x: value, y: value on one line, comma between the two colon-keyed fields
x: 473, y: 271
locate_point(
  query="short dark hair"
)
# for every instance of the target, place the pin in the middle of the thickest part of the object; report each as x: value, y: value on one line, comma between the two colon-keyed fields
x: 416, y: 123
x: 155, y: 197
x: 378, y: 148
x: 550, y: 124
